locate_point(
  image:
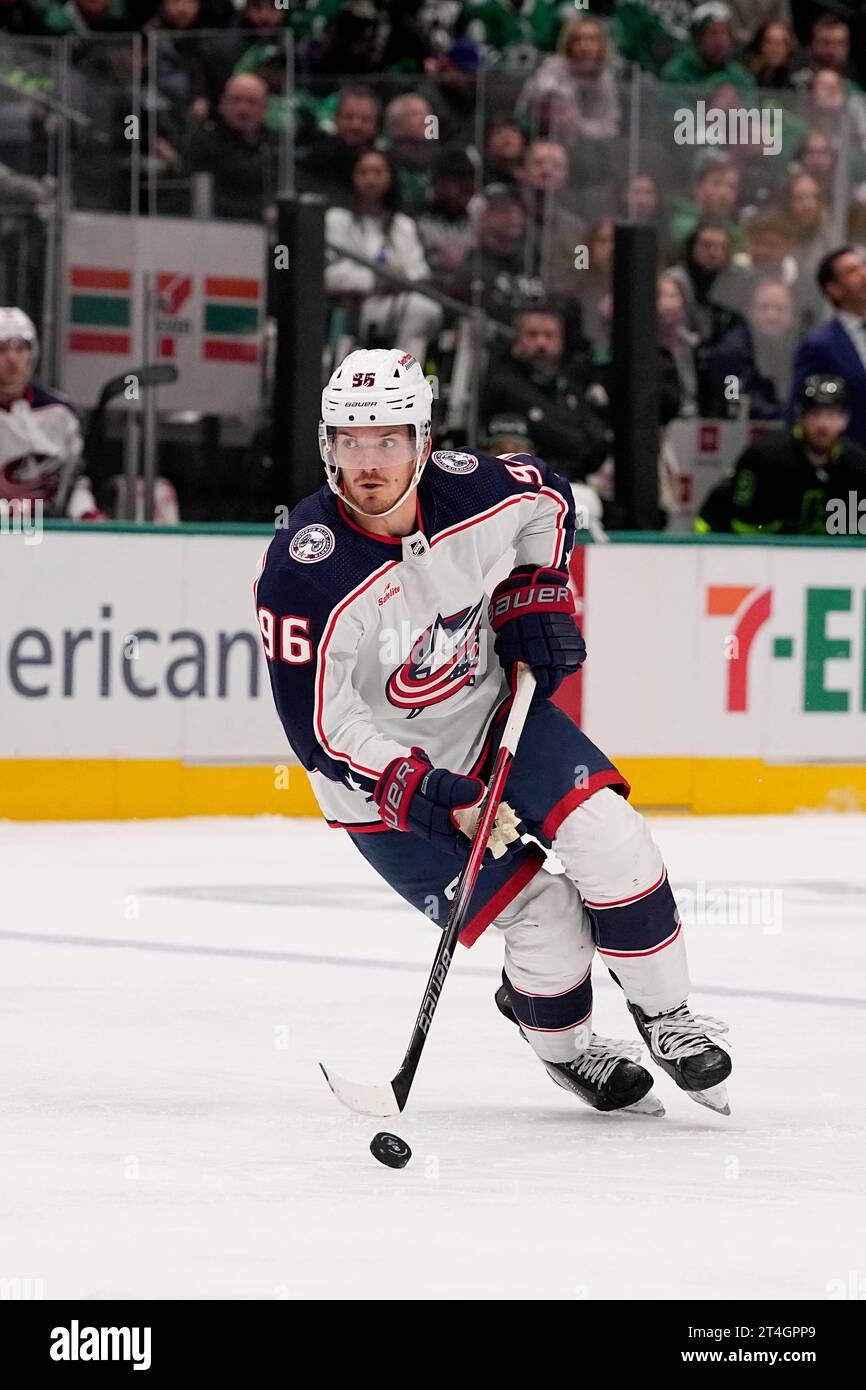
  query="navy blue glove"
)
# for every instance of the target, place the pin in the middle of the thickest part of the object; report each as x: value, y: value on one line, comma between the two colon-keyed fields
x: 532, y: 614
x: 412, y: 794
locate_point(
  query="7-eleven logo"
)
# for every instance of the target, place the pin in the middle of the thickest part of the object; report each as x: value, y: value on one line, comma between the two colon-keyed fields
x: 750, y: 607
x: 173, y: 291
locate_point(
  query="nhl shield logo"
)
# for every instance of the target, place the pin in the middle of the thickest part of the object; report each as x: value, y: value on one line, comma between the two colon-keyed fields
x: 311, y: 544
x: 451, y: 462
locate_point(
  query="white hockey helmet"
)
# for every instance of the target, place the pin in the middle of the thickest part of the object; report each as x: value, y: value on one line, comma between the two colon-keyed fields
x: 14, y: 323
x: 376, y: 386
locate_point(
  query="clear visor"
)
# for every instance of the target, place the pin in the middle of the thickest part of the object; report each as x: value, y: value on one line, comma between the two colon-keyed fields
x: 364, y: 449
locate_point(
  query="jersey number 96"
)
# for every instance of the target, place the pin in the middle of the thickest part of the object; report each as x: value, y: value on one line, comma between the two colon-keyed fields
x: 524, y: 472
x: 294, y: 647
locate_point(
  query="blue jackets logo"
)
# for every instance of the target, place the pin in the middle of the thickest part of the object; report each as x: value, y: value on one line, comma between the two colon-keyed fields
x: 451, y: 462
x: 312, y: 543
x: 442, y: 661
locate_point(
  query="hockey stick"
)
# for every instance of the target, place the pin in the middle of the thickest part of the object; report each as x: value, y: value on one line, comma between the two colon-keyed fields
x: 389, y: 1098
x: 147, y: 375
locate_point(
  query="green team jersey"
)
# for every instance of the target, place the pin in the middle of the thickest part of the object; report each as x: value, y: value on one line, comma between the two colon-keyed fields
x: 776, y: 490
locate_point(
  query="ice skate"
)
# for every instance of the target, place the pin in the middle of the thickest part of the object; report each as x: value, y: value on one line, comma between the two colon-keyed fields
x: 605, y: 1075
x: 680, y: 1042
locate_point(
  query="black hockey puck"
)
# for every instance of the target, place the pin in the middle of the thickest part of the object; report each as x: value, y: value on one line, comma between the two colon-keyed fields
x: 391, y: 1150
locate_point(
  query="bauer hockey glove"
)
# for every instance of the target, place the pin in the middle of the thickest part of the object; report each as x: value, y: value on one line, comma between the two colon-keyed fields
x: 442, y: 806
x: 532, y: 614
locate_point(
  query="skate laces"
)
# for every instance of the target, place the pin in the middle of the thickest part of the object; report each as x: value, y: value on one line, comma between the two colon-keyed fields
x: 683, y: 1034
x: 597, y: 1061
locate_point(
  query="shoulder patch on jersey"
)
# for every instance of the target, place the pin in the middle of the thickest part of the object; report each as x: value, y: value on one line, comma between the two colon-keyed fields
x: 451, y: 462
x: 311, y: 544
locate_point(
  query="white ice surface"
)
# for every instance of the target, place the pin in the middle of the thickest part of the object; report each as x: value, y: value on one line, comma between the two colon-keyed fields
x: 165, y: 1132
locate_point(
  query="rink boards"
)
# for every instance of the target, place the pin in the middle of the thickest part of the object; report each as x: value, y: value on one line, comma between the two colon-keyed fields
x: 723, y: 676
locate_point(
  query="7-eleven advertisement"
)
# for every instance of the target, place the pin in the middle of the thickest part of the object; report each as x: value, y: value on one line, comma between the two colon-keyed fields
x: 207, y: 294
x: 729, y: 667
x: 782, y: 653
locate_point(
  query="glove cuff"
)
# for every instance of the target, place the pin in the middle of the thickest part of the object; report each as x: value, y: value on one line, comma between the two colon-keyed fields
x: 395, y: 788
x: 542, y: 591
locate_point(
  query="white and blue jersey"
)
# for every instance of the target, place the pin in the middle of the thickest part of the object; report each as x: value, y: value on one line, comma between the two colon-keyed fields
x: 40, y: 440
x: 376, y: 645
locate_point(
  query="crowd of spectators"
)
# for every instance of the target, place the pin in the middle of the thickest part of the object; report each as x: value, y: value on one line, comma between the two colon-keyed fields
x: 486, y: 149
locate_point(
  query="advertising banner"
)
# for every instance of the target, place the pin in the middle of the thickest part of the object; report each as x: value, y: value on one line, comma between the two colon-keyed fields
x: 133, y: 646
x: 206, y: 282
x: 719, y: 677
x: 727, y: 651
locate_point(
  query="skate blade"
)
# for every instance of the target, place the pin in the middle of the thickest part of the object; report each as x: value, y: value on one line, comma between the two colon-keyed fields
x: 714, y: 1098
x: 647, y: 1105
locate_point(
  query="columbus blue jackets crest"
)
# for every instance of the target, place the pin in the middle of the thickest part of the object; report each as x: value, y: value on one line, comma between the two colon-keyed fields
x: 312, y: 543
x: 442, y: 660
x: 452, y: 462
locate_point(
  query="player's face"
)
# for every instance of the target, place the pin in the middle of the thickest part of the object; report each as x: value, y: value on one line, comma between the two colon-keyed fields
x: 16, y: 361
x: 376, y: 464
x: 821, y: 428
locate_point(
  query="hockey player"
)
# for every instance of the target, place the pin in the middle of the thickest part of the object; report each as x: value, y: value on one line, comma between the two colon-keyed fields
x: 40, y: 437
x: 392, y: 672
x: 790, y: 482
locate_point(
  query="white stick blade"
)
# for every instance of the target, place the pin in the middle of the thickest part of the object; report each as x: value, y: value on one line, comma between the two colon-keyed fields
x: 366, y: 1100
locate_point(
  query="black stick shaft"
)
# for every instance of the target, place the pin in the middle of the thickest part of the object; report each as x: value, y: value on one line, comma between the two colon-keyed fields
x: 402, y: 1082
